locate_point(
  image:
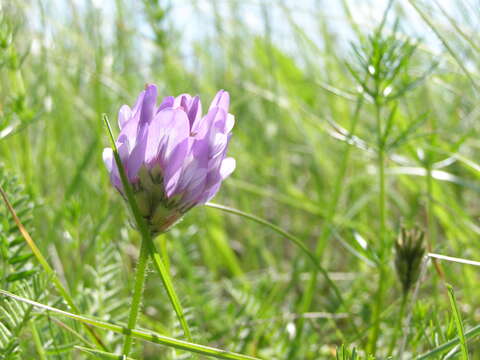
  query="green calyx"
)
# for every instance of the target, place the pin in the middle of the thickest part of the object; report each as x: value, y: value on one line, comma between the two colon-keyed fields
x: 159, y: 211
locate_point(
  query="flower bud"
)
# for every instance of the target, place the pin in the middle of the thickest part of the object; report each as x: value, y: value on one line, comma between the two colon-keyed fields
x: 409, y: 251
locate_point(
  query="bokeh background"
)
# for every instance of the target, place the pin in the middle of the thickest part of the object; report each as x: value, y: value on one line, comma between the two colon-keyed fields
x: 298, y: 73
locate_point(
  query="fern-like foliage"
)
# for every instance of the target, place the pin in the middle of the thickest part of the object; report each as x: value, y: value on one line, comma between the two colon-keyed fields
x: 17, y: 272
x: 103, y: 293
x: 15, y: 256
x: 15, y: 316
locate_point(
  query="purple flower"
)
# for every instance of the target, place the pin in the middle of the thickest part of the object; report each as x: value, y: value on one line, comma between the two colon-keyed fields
x: 174, y: 157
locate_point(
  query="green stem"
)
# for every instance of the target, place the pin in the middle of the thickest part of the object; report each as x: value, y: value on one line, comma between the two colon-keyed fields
x: 372, y: 345
x: 398, y: 326
x: 377, y: 311
x: 382, y: 204
x: 430, y: 214
x: 168, y: 284
x: 137, y: 295
x: 37, y: 341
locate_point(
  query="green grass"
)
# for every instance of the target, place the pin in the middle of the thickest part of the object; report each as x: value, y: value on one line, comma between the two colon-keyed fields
x: 338, y: 145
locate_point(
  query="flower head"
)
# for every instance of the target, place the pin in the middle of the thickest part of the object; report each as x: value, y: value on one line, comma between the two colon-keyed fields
x: 409, y: 251
x: 174, y: 157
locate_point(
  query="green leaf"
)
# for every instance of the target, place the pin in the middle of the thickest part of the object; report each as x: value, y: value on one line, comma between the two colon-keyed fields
x: 458, y: 321
x: 139, y: 334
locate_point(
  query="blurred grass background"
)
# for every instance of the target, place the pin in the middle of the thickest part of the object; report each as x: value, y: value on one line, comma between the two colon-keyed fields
x: 295, y: 81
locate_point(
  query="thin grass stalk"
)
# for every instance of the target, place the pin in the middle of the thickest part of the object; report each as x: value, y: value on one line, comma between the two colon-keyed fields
x: 450, y: 50
x: 378, y: 304
x: 139, y: 334
x: 307, y: 298
x: 288, y: 236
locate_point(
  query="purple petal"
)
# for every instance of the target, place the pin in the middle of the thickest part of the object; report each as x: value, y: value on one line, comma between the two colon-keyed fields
x: 167, y: 143
x: 128, y: 134
x: 138, y: 103
x: 191, y: 105
x: 148, y: 105
x: 182, y: 100
x: 167, y: 102
x: 195, y: 111
x: 221, y: 100
x: 124, y: 115
x: 193, y: 176
x: 136, y: 157
x: 227, y: 168
x: 219, y: 119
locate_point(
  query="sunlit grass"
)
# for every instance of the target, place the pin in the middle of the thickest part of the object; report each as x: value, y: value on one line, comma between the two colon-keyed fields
x: 338, y: 146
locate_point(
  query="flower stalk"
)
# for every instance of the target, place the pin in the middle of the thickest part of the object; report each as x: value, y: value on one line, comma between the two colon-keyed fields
x: 167, y: 159
x: 137, y: 295
x: 147, y: 248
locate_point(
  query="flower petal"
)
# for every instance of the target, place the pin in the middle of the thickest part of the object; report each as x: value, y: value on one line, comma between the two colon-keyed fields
x: 148, y: 104
x: 124, y: 115
x: 193, y: 177
x: 108, y: 158
x: 221, y: 100
x: 167, y: 102
x: 227, y: 167
x: 167, y: 143
x: 136, y: 158
x: 229, y: 123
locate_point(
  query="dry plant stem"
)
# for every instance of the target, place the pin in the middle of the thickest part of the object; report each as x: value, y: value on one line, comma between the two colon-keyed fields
x: 47, y: 268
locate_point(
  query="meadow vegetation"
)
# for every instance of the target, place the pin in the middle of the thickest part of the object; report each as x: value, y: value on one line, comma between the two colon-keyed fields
x: 357, y: 148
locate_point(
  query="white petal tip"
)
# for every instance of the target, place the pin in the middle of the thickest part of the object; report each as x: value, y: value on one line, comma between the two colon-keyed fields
x: 227, y: 167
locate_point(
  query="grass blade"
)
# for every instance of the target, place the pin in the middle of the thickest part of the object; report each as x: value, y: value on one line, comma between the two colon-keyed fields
x: 432, y: 354
x: 458, y: 322
x: 286, y: 235
x: 102, y: 354
x: 139, y: 334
